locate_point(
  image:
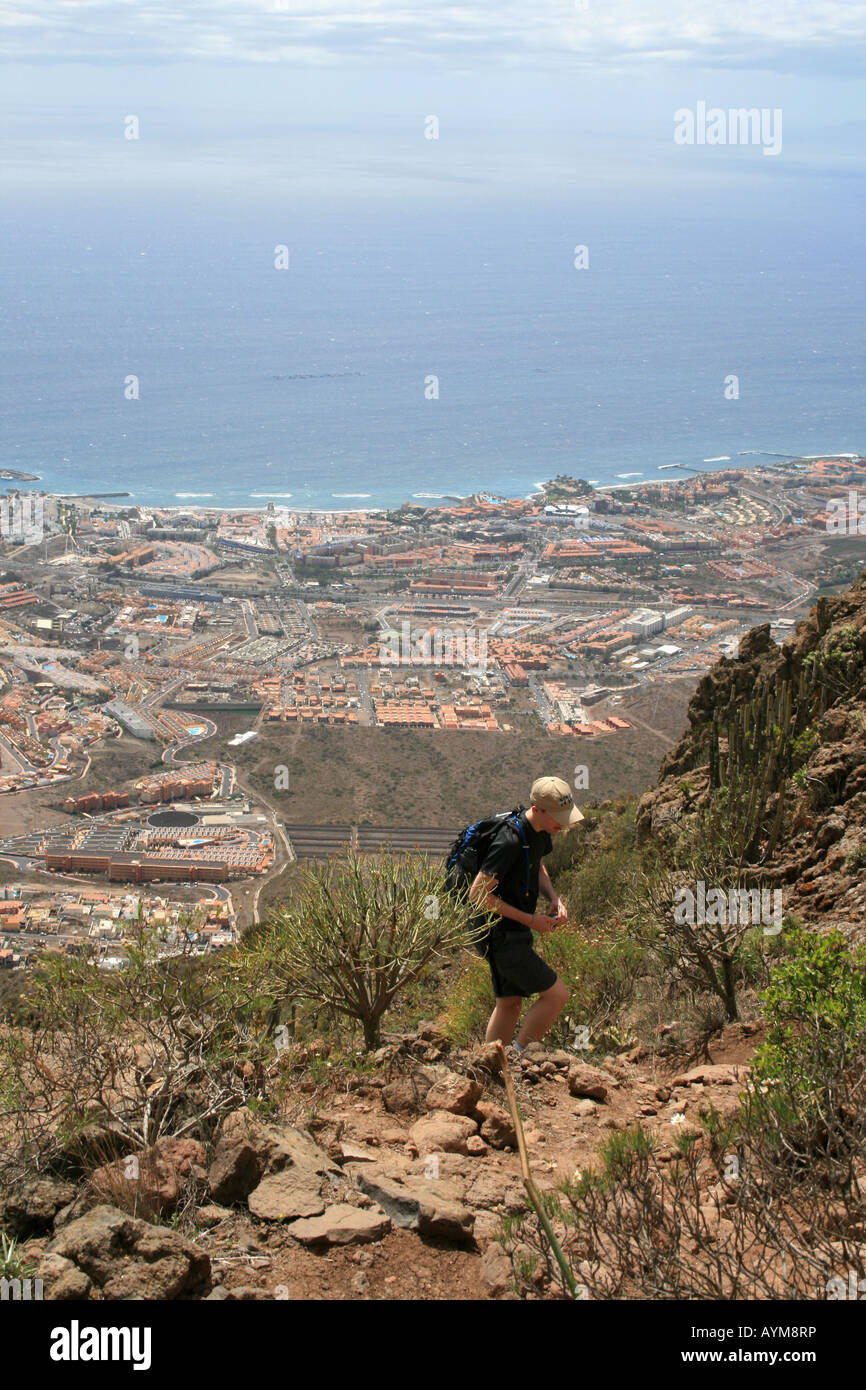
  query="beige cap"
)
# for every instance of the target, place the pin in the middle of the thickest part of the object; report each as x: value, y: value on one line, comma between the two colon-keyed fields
x: 553, y: 795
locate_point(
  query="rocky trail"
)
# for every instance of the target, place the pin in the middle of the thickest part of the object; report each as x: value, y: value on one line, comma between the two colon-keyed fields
x: 393, y: 1189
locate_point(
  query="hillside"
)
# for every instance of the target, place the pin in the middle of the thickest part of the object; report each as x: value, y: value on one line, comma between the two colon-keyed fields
x: 417, y: 777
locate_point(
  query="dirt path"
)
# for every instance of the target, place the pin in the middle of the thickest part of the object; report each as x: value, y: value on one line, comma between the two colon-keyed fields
x: 657, y: 733
x: 255, y: 1259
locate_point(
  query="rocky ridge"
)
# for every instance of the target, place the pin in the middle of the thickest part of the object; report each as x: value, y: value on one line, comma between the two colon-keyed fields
x: 811, y: 839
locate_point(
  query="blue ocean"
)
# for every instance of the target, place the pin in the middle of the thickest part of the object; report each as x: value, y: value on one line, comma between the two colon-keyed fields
x: 412, y: 351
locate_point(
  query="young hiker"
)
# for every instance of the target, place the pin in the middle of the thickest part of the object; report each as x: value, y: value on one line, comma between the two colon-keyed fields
x: 508, y: 882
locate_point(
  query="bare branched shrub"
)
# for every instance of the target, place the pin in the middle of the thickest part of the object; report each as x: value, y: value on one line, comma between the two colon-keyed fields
x: 360, y: 931
x: 700, y: 956
x: 158, y: 1048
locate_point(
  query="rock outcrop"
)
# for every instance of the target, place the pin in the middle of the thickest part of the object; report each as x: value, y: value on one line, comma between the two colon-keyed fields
x: 796, y: 716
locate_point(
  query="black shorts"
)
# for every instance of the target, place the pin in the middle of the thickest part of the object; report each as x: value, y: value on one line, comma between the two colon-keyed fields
x: 515, y: 968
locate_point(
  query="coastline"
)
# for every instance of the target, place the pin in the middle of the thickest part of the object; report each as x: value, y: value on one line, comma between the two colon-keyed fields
x: 748, y: 461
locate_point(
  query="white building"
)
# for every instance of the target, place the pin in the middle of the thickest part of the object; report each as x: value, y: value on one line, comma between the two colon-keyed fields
x: 643, y: 622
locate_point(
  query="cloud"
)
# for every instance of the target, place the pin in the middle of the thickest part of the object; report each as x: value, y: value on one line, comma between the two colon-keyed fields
x: 779, y: 35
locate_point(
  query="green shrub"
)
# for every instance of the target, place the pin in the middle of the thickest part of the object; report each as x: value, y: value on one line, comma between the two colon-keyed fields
x: 158, y: 1046
x: 815, y: 1008
x: 600, y: 973
x: 857, y: 858
x: 803, y: 746
x: 469, y: 1004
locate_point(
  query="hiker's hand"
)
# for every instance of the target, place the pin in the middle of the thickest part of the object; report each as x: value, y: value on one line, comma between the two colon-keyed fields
x: 541, y: 922
x: 559, y: 911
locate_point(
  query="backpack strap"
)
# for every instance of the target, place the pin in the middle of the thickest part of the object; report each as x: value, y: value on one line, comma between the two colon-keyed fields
x: 522, y: 833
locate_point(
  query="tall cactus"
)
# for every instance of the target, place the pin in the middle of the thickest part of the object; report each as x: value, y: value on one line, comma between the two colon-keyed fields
x: 757, y: 763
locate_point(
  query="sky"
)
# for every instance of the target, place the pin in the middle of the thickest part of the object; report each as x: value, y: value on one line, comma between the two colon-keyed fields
x: 237, y: 97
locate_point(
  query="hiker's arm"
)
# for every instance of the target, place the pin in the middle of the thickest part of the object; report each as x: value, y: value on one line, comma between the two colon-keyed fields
x: 483, y: 893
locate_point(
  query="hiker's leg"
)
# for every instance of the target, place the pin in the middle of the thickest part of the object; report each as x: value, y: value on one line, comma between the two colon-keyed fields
x: 547, y: 1007
x: 503, y: 1020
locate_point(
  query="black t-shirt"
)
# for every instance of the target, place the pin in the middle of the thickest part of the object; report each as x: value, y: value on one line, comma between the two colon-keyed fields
x: 506, y: 861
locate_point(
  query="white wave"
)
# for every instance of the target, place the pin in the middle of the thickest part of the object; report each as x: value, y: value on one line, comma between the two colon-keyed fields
x: 629, y: 475
x: 271, y: 494
x: 194, y: 494
x: 351, y: 494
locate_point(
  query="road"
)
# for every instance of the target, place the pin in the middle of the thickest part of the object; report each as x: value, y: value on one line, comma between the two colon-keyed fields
x: 805, y: 595
x: 249, y: 617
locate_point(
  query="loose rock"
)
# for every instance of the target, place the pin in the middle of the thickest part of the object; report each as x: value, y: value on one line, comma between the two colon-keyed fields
x: 454, y: 1093
x: 584, y: 1080
x: 442, y: 1130
x: 342, y: 1224
x: 497, y: 1128
x: 285, y: 1196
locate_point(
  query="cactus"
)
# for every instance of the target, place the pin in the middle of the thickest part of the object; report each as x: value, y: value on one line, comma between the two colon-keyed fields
x: 757, y: 763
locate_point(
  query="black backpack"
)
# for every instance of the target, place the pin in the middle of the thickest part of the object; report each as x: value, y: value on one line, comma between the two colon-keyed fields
x: 469, y: 850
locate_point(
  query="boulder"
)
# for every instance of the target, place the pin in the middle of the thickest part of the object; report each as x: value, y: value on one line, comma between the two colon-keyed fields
x: 497, y: 1126
x: 240, y: 1158
x: 561, y: 1058
x: 31, y: 1206
x: 342, y: 1224
x: 362, y: 1153
x: 494, y: 1189
x: 455, y: 1093
x: 442, y: 1130
x: 127, y: 1258
x: 591, y: 1082
x: 211, y: 1215
x: 832, y: 830
x: 248, y: 1149
x: 296, y: 1147
x: 488, y: 1057
x: 285, y: 1196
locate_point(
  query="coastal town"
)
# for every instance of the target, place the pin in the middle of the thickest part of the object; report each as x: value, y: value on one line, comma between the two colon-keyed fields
x: 144, y: 650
